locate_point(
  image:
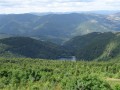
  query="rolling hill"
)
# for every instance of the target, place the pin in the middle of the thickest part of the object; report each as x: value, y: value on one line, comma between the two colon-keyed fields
x: 95, y: 46
x: 28, y: 47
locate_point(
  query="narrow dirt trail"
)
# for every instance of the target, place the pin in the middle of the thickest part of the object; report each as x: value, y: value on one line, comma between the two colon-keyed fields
x: 113, y: 79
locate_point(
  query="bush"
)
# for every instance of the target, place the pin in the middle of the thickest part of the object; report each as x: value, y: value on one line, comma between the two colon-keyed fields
x: 88, y: 83
x: 117, y: 87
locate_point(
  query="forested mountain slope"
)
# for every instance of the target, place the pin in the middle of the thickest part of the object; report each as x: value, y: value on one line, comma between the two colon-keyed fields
x: 28, y: 47
x: 99, y: 46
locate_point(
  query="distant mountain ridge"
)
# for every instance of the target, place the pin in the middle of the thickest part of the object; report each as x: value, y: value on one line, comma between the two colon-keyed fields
x: 57, y: 27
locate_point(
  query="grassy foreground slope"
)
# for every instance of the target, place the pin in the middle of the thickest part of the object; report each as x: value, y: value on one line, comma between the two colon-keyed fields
x: 37, y: 74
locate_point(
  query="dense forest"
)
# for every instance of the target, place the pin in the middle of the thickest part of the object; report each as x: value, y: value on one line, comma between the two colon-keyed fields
x: 95, y: 46
x: 39, y: 74
x: 28, y: 47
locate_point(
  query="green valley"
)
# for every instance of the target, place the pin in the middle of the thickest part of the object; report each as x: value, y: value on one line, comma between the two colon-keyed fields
x: 93, y: 46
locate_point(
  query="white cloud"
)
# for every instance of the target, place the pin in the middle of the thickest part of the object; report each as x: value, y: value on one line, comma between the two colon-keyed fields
x: 25, y: 6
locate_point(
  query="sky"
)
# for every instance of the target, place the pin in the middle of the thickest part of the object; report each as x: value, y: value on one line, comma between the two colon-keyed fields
x: 27, y: 6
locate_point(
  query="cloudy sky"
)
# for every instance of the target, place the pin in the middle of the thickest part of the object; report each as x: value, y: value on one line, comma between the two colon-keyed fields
x: 26, y: 6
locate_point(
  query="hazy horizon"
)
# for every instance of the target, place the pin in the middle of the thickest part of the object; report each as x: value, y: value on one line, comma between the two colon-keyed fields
x: 42, y: 6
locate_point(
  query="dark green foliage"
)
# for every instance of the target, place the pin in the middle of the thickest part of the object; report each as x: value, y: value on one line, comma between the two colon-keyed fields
x: 117, y: 87
x: 28, y: 47
x: 95, y: 47
x: 91, y: 83
x: 99, y: 46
